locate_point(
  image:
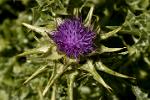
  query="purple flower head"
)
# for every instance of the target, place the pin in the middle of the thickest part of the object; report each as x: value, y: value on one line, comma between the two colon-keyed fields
x: 73, y: 38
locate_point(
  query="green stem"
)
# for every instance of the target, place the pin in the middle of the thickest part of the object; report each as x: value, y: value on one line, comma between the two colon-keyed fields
x: 71, y: 80
x: 53, y: 97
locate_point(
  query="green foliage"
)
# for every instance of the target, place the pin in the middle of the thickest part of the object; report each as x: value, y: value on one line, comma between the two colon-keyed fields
x: 32, y: 68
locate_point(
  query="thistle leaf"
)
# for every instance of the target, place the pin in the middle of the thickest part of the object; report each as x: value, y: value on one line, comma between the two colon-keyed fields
x: 89, y: 67
x: 88, y: 19
x: 124, y: 31
x: 104, y: 49
x: 40, y: 30
x: 54, y: 55
x: 38, y: 71
x: 42, y: 49
x: 109, y: 34
x: 28, y: 52
x: 76, y: 12
x: 54, y: 77
x: 100, y: 66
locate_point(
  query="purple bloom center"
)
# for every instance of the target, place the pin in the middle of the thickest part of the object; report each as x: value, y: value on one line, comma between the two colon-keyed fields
x: 73, y: 38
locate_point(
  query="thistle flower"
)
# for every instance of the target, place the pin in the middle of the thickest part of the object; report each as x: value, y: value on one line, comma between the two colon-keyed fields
x: 73, y: 38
